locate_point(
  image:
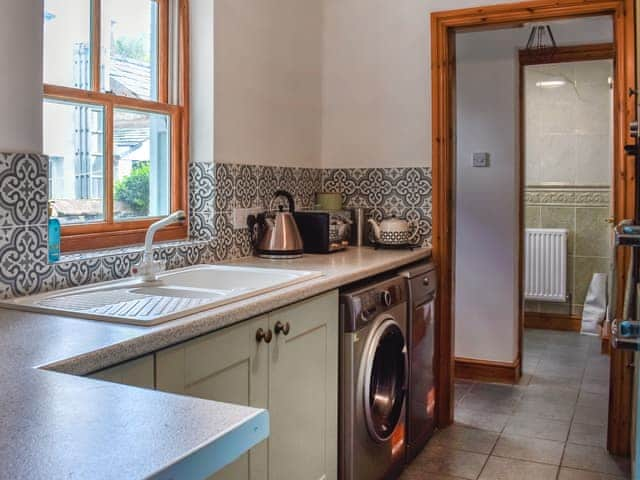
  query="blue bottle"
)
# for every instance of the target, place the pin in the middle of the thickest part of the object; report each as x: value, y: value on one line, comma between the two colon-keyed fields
x: 54, y: 235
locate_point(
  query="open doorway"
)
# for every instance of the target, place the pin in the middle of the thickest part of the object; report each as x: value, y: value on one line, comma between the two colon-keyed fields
x: 566, y: 102
x: 549, y: 405
x: 446, y: 128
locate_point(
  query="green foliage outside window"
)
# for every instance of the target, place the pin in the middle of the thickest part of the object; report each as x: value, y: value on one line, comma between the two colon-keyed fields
x: 133, y: 190
x: 132, y: 48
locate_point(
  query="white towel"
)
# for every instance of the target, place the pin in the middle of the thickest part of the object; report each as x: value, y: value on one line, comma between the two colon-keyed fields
x: 595, y: 305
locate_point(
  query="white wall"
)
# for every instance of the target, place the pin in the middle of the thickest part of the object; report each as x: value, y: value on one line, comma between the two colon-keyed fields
x: 201, y: 127
x: 376, y: 97
x: 376, y: 81
x: 487, y: 199
x: 21, y: 76
x: 267, y: 76
x: 486, y: 287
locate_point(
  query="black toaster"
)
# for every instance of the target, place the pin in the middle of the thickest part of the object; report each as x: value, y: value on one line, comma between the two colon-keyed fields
x: 324, y: 231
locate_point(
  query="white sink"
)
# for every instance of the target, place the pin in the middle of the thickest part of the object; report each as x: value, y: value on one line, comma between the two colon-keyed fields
x: 175, y: 294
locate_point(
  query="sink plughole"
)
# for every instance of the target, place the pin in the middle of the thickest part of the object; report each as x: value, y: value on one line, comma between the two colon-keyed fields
x: 175, y: 294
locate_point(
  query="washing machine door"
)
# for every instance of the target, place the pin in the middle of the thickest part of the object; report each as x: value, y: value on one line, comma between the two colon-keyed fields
x: 385, y: 380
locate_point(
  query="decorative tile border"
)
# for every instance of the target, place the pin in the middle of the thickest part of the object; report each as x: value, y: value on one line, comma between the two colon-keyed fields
x: 214, y: 192
x: 568, y: 196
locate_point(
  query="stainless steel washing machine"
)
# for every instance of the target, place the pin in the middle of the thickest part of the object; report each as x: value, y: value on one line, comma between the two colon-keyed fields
x: 374, y: 379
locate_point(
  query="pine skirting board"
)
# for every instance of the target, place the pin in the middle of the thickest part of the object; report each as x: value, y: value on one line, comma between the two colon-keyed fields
x: 552, y: 321
x: 487, y: 371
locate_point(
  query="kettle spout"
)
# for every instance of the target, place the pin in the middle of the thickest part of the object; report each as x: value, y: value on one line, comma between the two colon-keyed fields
x: 376, y: 228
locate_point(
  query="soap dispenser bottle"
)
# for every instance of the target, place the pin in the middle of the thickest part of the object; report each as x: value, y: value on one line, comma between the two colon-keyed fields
x: 54, y: 235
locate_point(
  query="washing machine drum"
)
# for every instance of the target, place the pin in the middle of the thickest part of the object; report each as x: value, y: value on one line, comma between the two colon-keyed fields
x: 385, y: 381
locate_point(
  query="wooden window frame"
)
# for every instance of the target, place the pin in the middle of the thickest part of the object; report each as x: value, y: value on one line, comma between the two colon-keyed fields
x: 110, y: 233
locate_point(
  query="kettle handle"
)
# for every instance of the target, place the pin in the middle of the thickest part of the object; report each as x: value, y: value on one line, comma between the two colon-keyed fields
x: 288, y: 196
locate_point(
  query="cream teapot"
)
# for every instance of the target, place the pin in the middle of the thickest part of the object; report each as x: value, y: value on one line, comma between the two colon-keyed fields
x: 394, y: 231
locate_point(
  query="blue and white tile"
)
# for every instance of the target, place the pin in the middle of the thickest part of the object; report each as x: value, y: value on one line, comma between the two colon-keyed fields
x: 242, y: 245
x: 23, y: 189
x: 201, y: 226
x: 24, y: 267
x: 119, y: 266
x: 201, y: 187
x: 268, y: 184
x: 224, y: 241
x: 246, y: 186
x: 74, y: 274
x: 193, y: 253
x: 225, y: 186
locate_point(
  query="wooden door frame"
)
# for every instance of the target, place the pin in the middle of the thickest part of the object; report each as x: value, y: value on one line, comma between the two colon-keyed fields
x: 443, y: 27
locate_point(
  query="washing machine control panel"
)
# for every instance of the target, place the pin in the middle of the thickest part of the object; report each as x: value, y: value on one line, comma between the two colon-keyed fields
x: 367, y: 304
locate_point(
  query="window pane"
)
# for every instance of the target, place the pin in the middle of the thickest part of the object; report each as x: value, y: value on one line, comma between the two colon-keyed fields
x: 130, y: 48
x: 141, y: 164
x: 67, y: 42
x: 74, y: 141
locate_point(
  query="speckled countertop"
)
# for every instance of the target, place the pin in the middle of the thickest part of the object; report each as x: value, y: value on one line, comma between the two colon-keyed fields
x: 56, y: 425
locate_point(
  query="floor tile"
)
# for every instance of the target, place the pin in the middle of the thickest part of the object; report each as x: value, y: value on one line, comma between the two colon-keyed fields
x: 461, y: 389
x: 492, y: 398
x: 584, y: 434
x: 591, y: 415
x: 531, y: 449
x: 447, y: 461
x: 595, y: 386
x: 593, y: 400
x: 561, y: 382
x: 572, y: 474
x: 593, y: 459
x: 550, y: 426
x: 492, y: 422
x: 552, y: 410
x: 534, y: 427
x: 553, y: 369
x: 412, y: 473
x: 464, y: 438
x: 552, y: 393
x: 498, y: 468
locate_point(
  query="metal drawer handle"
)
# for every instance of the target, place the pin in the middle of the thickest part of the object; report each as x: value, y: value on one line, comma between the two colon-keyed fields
x: 280, y: 328
x: 426, y: 281
x: 262, y: 335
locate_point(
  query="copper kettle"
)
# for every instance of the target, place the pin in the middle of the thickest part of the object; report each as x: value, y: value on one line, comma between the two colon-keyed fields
x: 275, y: 233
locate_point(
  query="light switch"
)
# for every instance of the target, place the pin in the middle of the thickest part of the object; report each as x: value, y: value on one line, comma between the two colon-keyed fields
x: 481, y: 159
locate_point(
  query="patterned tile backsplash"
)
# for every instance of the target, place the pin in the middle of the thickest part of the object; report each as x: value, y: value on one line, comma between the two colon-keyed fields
x: 215, y: 192
x: 404, y: 192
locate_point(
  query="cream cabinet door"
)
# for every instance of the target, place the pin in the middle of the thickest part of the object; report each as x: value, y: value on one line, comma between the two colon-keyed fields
x: 228, y: 366
x: 137, y: 373
x: 303, y: 390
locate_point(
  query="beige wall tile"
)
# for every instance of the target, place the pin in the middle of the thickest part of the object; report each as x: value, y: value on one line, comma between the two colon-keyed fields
x: 585, y: 267
x: 532, y: 217
x: 560, y: 217
x: 592, y: 232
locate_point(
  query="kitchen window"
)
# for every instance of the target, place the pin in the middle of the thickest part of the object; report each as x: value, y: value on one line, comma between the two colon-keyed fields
x: 114, y: 117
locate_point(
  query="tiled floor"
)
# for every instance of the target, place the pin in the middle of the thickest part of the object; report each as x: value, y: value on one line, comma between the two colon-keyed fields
x: 552, y: 426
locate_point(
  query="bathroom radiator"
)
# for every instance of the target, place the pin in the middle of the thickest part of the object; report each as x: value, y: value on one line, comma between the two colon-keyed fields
x: 545, y: 264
